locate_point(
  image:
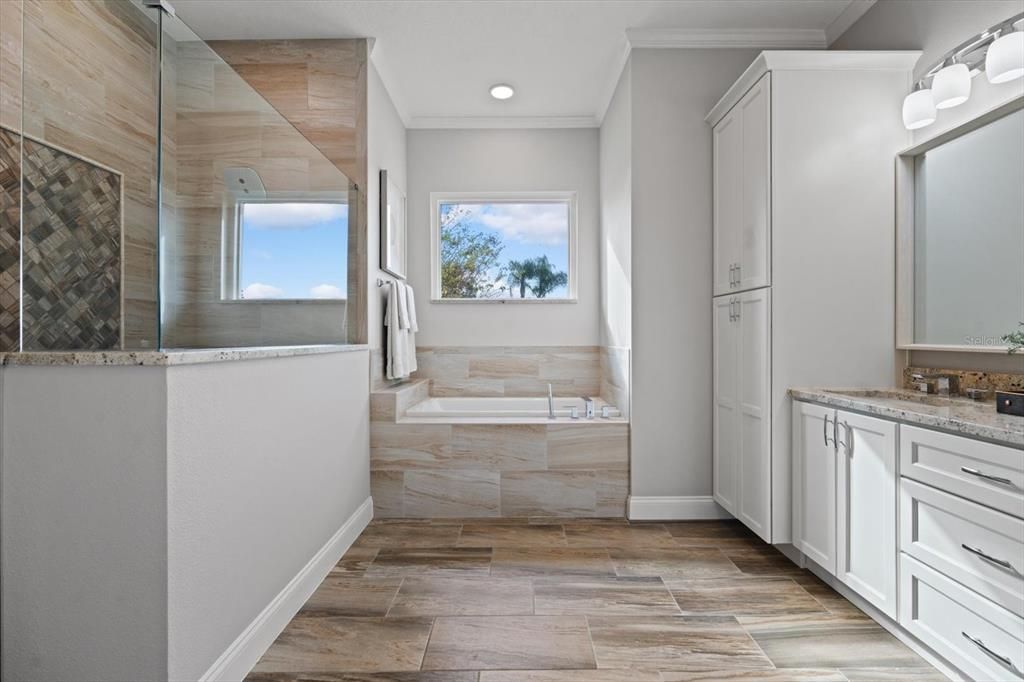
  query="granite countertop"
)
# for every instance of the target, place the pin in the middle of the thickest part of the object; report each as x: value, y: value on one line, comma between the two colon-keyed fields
x: 957, y: 415
x: 168, y: 357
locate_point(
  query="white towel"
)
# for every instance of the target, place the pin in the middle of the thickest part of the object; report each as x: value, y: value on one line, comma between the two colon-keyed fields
x: 410, y: 307
x: 413, y: 327
x: 397, y: 343
x: 403, y: 305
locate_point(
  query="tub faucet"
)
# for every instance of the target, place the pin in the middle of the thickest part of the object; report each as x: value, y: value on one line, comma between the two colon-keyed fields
x: 551, y: 403
x: 588, y: 407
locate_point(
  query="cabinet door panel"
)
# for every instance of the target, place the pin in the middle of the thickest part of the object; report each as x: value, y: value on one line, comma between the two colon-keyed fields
x: 726, y: 403
x: 754, y: 408
x: 866, y: 508
x: 755, y: 233
x: 728, y: 197
x: 814, y: 483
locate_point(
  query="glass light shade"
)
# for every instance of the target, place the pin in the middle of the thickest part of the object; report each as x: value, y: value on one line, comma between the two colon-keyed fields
x: 951, y: 86
x: 918, y: 109
x: 502, y: 91
x: 1005, y: 59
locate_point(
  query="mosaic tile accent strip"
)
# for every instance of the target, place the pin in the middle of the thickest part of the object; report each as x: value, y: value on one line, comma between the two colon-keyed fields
x: 10, y: 235
x: 986, y: 381
x: 72, y: 252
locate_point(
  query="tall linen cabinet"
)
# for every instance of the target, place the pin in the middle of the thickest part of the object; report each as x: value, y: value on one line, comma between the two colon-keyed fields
x: 804, y: 262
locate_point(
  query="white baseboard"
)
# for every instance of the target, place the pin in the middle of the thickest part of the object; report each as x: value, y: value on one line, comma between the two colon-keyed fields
x: 693, y: 508
x: 239, y: 658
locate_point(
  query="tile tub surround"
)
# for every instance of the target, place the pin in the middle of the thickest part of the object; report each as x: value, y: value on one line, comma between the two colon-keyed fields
x: 986, y: 381
x: 956, y: 415
x: 510, y: 370
x: 560, y: 469
x: 512, y: 601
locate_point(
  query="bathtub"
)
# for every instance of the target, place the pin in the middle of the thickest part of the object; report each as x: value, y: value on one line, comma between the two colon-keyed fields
x: 527, y: 409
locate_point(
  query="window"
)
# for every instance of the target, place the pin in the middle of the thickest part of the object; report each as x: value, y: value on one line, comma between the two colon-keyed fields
x: 504, y: 247
x: 292, y: 250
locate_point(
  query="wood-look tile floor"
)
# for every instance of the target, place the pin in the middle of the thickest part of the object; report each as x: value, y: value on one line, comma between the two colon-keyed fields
x: 546, y: 600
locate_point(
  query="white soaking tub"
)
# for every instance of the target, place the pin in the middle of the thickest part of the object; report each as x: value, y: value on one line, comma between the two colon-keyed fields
x: 510, y: 409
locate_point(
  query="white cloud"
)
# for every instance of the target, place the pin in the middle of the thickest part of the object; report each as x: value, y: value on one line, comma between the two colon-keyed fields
x: 290, y: 216
x: 527, y: 223
x: 260, y: 290
x: 326, y: 291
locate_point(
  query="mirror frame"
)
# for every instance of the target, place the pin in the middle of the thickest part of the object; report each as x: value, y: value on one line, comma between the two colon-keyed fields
x: 905, y: 231
x: 392, y: 195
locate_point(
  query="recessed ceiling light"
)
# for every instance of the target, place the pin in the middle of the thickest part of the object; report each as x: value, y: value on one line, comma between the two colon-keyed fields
x: 502, y: 91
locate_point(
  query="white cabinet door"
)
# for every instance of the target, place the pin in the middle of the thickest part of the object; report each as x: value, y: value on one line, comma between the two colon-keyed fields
x: 754, y: 360
x: 726, y: 402
x: 814, y: 483
x: 755, y: 234
x: 866, y: 508
x: 728, y: 199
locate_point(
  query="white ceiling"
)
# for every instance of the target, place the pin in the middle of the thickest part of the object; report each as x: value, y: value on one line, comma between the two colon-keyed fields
x: 439, y: 57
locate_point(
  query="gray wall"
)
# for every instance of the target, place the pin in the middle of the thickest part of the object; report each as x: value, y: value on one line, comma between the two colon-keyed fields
x: 151, y: 513
x: 505, y: 161
x: 385, y: 151
x: 84, y: 523
x: 934, y: 27
x: 266, y: 460
x: 672, y: 91
x: 616, y: 216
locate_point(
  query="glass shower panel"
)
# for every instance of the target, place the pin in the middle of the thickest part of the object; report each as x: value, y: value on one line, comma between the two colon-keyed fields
x: 88, y: 167
x: 254, y: 218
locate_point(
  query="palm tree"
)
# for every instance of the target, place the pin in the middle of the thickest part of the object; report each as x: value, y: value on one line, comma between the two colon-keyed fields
x: 519, y: 273
x: 536, y: 274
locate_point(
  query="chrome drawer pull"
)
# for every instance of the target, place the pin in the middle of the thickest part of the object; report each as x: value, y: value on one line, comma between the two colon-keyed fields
x: 987, y: 477
x: 981, y: 645
x: 986, y: 557
x: 824, y: 430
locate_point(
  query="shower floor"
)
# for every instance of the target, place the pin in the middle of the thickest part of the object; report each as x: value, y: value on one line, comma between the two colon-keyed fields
x: 577, y: 600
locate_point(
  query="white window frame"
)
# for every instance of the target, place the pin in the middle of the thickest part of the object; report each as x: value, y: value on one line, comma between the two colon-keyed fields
x: 231, y: 246
x: 542, y: 197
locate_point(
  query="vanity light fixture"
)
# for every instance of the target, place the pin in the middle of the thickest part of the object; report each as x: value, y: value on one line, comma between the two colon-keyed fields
x: 1005, y: 59
x: 951, y: 86
x: 919, y: 108
x: 502, y: 91
x: 999, y: 51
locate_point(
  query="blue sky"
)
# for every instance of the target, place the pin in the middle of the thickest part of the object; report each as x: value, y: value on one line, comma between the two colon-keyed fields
x: 527, y: 230
x: 294, y: 250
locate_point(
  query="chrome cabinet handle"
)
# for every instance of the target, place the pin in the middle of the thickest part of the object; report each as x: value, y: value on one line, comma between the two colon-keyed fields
x: 987, y: 477
x: 1005, y: 660
x: 824, y: 431
x: 739, y: 273
x: 986, y: 557
x: 849, y: 440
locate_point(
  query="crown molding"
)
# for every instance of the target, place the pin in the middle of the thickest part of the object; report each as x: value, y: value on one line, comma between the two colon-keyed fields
x: 775, y: 38
x: 498, y: 122
x: 847, y: 18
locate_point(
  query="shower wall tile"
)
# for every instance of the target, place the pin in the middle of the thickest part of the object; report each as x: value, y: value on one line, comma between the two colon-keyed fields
x: 10, y: 239
x: 71, y: 267
x: 90, y: 89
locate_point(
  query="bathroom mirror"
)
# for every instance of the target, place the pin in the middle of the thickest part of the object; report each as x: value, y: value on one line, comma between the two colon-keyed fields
x: 961, y: 242
x: 392, y: 227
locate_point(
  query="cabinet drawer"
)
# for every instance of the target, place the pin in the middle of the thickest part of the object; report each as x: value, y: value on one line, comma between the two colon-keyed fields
x: 944, y: 615
x: 992, y: 475
x: 937, y: 528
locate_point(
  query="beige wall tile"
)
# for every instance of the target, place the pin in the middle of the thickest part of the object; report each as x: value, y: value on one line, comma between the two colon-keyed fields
x: 387, y: 490
x: 548, y: 493
x: 503, y: 366
x: 588, y: 446
x: 499, y: 447
x: 409, y: 446
x: 461, y: 493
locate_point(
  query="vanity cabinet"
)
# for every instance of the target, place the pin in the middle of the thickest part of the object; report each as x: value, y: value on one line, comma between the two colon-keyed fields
x: 803, y: 236
x: 845, y: 489
x: 742, y: 192
x: 742, y: 463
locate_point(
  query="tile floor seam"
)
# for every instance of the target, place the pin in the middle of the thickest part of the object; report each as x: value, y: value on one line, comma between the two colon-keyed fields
x: 426, y: 647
